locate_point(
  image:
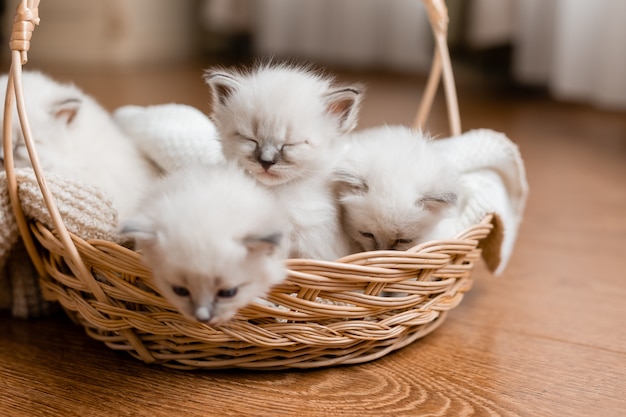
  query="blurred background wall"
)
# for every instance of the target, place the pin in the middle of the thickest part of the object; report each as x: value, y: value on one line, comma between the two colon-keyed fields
x: 575, y: 49
x: 111, y: 33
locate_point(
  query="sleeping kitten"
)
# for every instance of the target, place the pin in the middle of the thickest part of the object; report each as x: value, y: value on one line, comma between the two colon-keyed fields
x: 395, y: 189
x: 213, y: 239
x: 283, y: 125
x: 76, y: 138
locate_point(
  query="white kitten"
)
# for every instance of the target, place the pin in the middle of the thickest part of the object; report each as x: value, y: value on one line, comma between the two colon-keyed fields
x: 283, y: 124
x: 395, y: 189
x: 213, y: 240
x: 76, y: 138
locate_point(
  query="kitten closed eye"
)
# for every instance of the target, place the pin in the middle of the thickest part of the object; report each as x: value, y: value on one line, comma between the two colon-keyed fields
x: 20, y: 156
x: 293, y: 144
x: 368, y: 235
x: 396, y: 243
x: 245, y: 138
x: 380, y: 243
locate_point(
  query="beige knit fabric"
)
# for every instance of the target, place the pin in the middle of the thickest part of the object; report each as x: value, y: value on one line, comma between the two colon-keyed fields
x: 8, y: 227
x: 86, y: 212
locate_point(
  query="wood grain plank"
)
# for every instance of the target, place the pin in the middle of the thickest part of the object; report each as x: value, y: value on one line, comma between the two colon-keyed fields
x: 459, y: 370
x: 81, y: 375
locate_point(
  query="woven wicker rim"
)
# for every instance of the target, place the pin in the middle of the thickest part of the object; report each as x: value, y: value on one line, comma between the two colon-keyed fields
x: 325, y: 313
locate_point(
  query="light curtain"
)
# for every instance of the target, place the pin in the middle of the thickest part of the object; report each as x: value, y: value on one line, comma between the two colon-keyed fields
x: 388, y: 34
x: 577, y: 48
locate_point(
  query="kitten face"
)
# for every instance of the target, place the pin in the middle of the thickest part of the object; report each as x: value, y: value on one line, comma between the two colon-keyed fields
x: 393, y: 189
x: 213, y: 239
x: 76, y: 138
x: 52, y: 109
x: 213, y: 288
x: 374, y: 224
x: 274, y: 158
x: 280, y: 123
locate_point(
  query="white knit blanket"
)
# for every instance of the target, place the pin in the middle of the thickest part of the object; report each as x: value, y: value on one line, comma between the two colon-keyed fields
x: 494, y: 182
x: 171, y: 135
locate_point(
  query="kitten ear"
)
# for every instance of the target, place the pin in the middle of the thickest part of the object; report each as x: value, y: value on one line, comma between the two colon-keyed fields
x: 344, y: 104
x: 139, y: 229
x: 262, y: 245
x: 66, y: 110
x: 347, y: 183
x: 438, y: 202
x: 222, y: 85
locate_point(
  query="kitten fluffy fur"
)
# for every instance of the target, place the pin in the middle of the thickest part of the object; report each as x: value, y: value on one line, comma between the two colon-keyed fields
x: 213, y: 239
x: 76, y: 138
x: 284, y: 125
x: 395, y: 189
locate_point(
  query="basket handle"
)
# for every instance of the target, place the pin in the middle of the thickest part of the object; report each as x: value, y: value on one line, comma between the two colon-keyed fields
x: 26, y: 18
x: 438, y: 17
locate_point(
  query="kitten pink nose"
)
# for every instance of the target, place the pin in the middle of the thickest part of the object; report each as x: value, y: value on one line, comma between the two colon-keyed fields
x: 203, y: 314
x: 267, y: 156
x: 266, y: 164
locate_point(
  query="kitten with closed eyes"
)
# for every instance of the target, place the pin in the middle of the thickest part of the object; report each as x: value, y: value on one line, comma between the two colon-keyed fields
x: 213, y: 239
x: 284, y: 125
x: 395, y: 189
x: 77, y: 139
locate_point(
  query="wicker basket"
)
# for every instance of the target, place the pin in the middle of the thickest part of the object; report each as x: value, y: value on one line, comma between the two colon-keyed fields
x: 325, y: 313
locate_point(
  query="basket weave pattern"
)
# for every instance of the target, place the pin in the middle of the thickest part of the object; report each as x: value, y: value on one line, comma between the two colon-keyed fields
x: 325, y: 313
x: 353, y: 310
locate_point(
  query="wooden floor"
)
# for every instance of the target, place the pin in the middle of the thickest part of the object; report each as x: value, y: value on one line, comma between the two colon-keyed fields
x: 547, y: 338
